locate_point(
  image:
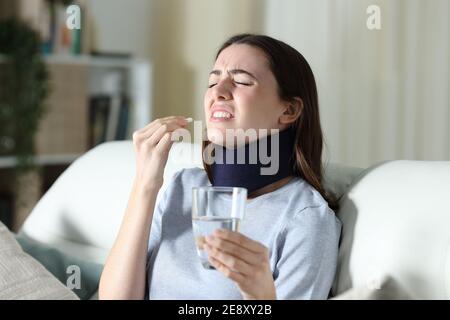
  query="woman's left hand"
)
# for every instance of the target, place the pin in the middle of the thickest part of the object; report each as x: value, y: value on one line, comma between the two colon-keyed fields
x: 244, y: 261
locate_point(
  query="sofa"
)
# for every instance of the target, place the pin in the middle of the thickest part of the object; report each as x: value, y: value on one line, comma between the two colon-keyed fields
x: 395, y: 242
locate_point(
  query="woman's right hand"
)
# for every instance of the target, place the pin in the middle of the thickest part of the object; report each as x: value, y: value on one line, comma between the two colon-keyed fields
x: 152, y: 145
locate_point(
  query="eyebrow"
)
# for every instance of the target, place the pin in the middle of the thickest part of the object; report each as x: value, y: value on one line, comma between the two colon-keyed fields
x: 233, y: 72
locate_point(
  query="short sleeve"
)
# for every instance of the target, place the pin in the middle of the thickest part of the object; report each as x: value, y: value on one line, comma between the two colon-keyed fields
x: 308, y: 252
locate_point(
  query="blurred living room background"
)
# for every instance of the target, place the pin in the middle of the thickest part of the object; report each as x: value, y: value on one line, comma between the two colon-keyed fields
x: 383, y: 92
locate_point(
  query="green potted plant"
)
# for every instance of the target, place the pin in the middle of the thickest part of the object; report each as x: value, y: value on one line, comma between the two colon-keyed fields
x: 23, y: 90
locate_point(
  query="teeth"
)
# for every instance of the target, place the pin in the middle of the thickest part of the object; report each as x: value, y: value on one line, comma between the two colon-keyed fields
x: 221, y: 114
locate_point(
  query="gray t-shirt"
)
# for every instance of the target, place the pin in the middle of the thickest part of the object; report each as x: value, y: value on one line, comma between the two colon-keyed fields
x: 294, y: 222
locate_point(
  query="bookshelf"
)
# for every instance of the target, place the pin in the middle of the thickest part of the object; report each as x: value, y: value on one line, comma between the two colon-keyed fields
x: 63, y: 135
x: 80, y: 82
x: 74, y: 79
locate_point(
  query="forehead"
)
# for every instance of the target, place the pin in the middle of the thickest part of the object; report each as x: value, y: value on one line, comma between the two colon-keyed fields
x: 242, y: 56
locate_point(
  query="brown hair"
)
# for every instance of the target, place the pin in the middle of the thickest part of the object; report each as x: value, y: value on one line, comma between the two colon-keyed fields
x: 295, y: 79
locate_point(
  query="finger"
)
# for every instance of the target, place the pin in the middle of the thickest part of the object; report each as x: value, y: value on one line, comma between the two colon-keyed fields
x: 172, y: 124
x: 159, y: 132
x: 149, y: 129
x: 164, y: 144
x: 154, y: 123
x: 181, y: 120
x: 235, y: 276
x: 232, y: 262
x: 232, y: 248
x: 240, y: 239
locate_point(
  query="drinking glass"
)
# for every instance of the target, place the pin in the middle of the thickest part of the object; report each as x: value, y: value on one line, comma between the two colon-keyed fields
x: 213, y: 208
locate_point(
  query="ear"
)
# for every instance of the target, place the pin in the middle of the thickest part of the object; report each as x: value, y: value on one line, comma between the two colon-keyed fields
x: 293, y: 110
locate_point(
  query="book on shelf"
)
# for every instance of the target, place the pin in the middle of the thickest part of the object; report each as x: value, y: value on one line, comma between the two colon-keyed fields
x: 6, y: 209
x: 122, y: 123
x: 108, y: 118
x: 49, y: 18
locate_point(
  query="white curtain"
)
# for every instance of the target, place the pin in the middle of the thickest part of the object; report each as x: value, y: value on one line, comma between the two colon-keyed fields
x: 384, y: 94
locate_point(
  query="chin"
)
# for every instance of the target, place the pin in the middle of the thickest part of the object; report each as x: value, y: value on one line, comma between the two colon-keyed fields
x: 216, y: 135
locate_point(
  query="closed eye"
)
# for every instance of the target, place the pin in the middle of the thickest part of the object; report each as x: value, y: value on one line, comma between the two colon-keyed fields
x: 241, y: 83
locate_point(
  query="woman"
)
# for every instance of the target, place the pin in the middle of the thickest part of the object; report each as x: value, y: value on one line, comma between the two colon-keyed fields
x: 288, y: 247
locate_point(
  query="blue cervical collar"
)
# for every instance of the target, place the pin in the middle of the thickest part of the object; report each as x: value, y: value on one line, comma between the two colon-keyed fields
x: 248, y: 175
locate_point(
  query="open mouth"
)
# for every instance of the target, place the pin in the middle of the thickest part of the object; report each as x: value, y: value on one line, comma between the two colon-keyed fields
x: 220, y: 115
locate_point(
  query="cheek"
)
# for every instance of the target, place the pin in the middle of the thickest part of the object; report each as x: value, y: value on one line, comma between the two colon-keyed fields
x: 256, y: 105
x: 247, y: 104
x: 259, y: 111
x: 206, y: 100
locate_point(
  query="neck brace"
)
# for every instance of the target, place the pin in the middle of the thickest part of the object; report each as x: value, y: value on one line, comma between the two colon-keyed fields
x: 272, y: 160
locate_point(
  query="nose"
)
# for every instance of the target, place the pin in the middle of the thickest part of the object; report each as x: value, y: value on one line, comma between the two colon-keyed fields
x: 221, y: 91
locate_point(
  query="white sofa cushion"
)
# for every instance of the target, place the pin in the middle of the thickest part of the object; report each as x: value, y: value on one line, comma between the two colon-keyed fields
x: 386, y: 288
x: 396, y: 221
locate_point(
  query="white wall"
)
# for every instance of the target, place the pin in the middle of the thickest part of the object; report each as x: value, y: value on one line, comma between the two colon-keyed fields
x: 122, y: 26
x: 384, y: 94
